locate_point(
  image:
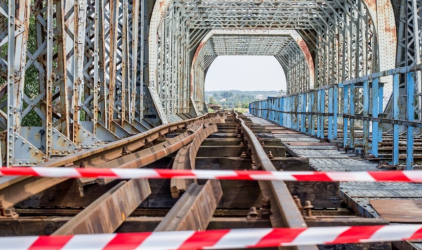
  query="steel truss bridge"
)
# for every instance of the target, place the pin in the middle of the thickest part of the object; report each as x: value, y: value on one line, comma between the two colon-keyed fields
x: 78, y: 74
x: 109, y: 84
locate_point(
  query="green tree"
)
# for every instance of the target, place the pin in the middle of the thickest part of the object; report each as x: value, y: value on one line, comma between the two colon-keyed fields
x: 212, y: 100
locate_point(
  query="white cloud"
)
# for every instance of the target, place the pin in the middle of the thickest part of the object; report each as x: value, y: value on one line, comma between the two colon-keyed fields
x: 248, y: 73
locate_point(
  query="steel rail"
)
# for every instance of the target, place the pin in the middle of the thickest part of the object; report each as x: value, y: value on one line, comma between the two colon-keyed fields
x: 16, y: 189
x: 285, y: 212
x: 195, y: 209
x: 152, y: 154
x: 185, y: 159
x: 109, y: 211
x: 123, y: 199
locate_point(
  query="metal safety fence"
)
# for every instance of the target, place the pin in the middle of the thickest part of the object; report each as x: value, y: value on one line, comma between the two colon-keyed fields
x: 355, y: 107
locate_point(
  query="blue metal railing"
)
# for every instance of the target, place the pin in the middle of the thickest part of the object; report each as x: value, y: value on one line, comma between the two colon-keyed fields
x: 300, y: 111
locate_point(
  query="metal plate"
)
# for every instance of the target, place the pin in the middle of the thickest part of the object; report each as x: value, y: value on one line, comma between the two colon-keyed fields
x: 297, y: 138
x: 319, y: 153
x: 326, y: 164
x: 400, y: 211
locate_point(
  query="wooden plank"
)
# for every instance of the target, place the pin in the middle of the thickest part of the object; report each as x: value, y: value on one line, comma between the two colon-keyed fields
x: 236, y: 151
x: 399, y: 211
x: 237, y: 163
x: 47, y: 225
x: 237, y: 141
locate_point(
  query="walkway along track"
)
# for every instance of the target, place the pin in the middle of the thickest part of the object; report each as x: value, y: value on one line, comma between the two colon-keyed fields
x: 147, y: 205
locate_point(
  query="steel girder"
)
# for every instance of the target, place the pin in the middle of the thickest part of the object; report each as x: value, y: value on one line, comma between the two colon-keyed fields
x: 342, y: 33
x: 286, y: 46
x: 73, y: 75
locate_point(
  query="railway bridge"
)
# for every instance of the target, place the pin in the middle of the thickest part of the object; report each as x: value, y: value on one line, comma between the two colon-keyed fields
x: 109, y: 84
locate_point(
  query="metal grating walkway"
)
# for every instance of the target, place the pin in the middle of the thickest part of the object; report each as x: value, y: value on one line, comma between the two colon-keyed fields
x: 356, y: 195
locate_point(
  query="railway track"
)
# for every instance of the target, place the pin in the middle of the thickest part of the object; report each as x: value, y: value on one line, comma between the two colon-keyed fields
x: 226, y: 140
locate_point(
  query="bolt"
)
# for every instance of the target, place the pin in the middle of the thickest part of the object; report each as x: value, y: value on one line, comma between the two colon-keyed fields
x: 298, y: 203
x: 243, y: 155
x: 308, y: 207
x: 266, y: 203
x: 254, y: 166
x: 253, y: 214
x: 270, y: 155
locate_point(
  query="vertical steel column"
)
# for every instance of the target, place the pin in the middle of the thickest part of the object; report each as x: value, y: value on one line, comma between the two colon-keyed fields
x: 297, y: 110
x: 365, y: 114
x: 310, y: 125
x: 330, y: 111
x: 396, y: 113
x: 345, y: 112
x: 318, y: 113
x: 380, y: 107
x: 314, y: 110
x: 291, y: 109
x: 49, y: 80
x: 12, y: 88
x: 65, y: 119
x: 321, y: 112
x: 114, y: 13
x: 18, y: 28
x: 417, y: 52
x: 99, y: 79
x: 375, y: 111
x: 335, y: 115
x: 410, y: 117
x: 134, y: 62
x: 352, y: 112
x: 79, y: 50
x: 303, y: 119
x: 125, y: 82
x: 282, y: 110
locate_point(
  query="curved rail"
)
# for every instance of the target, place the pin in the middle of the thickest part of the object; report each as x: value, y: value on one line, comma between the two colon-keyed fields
x: 185, y: 158
x: 16, y: 189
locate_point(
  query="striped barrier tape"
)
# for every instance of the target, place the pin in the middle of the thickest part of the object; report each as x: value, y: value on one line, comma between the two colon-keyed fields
x: 217, y: 239
x: 118, y: 173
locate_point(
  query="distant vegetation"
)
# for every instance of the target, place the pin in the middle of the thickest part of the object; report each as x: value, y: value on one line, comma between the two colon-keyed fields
x: 229, y: 99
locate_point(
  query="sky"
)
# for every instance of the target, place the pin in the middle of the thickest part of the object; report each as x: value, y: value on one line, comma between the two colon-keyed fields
x: 248, y: 73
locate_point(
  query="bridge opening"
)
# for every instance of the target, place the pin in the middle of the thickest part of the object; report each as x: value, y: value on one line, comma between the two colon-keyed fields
x: 232, y: 82
x: 246, y: 73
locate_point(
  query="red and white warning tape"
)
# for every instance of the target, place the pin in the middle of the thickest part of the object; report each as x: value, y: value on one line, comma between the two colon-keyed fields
x: 116, y: 173
x: 218, y: 239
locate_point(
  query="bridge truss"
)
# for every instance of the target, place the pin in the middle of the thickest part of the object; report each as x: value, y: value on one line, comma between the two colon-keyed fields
x: 77, y: 74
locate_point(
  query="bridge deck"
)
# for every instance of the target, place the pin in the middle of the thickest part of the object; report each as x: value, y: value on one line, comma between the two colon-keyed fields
x: 356, y: 195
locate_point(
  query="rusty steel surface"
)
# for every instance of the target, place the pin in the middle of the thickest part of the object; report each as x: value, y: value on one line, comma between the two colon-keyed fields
x: 185, y: 159
x: 108, y: 212
x: 285, y: 211
x: 16, y: 189
x: 194, y: 210
x: 399, y: 210
x: 152, y: 154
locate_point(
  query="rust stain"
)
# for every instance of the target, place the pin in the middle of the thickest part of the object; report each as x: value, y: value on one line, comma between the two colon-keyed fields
x: 372, y: 4
x: 308, y: 56
x: 201, y: 45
